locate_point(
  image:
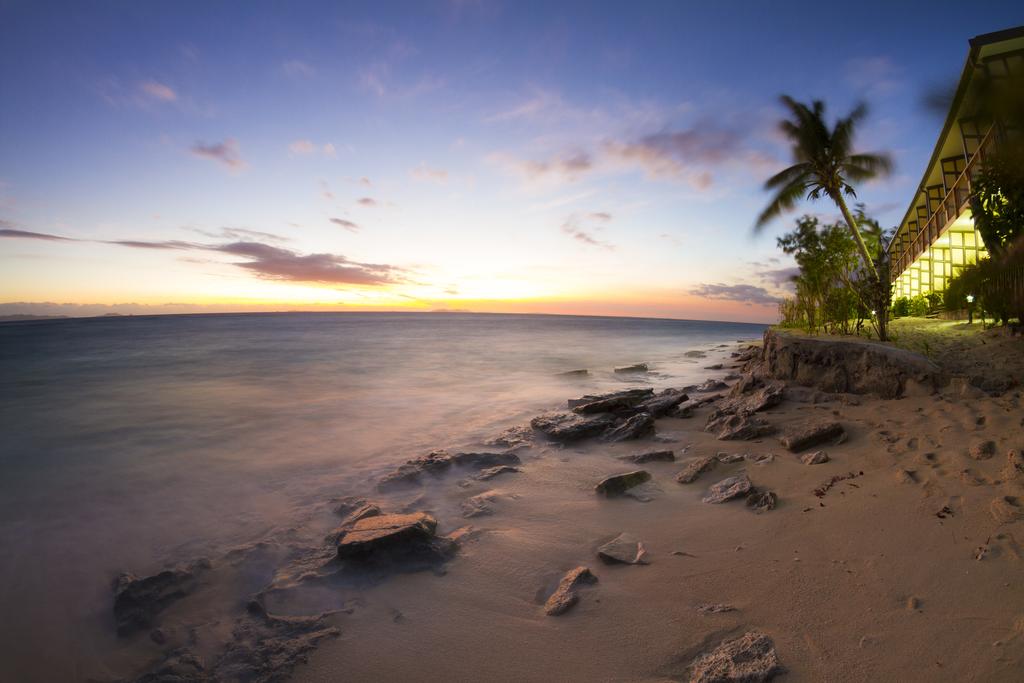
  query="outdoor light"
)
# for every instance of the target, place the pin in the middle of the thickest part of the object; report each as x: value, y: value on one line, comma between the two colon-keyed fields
x: 970, y: 298
x: 874, y: 312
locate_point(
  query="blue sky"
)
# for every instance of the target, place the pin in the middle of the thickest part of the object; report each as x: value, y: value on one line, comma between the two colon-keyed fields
x: 502, y: 156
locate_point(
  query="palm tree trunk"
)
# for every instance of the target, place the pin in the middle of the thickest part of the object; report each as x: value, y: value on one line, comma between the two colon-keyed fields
x: 852, y: 223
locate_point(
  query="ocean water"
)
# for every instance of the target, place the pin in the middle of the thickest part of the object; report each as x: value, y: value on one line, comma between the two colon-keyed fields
x: 135, y: 443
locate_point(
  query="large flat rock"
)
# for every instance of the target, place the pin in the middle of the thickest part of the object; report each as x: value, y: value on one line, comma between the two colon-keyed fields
x: 620, y: 483
x: 566, y: 427
x: 846, y: 365
x: 384, y: 532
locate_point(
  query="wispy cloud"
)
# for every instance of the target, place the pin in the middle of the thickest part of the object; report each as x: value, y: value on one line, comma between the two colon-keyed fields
x: 567, y: 167
x: 142, y: 94
x: 348, y: 225
x: 241, y: 234
x: 427, y: 174
x: 779, y: 277
x: 264, y: 260
x: 582, y: 228
x: 26, y: 234
x: 367, y: 201
x: 275, y: 263
x: 160, y: 92
x: 226, y: 153
x: 750, y: 295
x: 304, y: 147
x: 689, y: 155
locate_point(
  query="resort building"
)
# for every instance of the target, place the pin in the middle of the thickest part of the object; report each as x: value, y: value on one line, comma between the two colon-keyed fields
x: 937, y: 237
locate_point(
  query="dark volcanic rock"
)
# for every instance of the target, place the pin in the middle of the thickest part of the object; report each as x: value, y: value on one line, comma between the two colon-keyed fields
x: 511, y: 437
x: 708, y: 386
x: 624, y: 548
x: 603, y: 403
x: 804, y: 436
x: 762, y: 501
x: 634, y: 427
x: 566, y: 427
x: 137, y: 601
x: 738, y: 427
x: 649, y: 456
x: 619, y: 483
x: 846, y: 366
x: 439, y: 461
x: 566, y: 595
x: 409, y: 473
x: 574, y: 373
x: 638, y: 367
x: 695, y: 467
x: 481, y: 460
x: 747, y: 398
x: 729, y: 488
x: 492, y: 472
x: 362, y: 512
x: 751, y: 658
x: 385, y: 532
x: 663, y: 403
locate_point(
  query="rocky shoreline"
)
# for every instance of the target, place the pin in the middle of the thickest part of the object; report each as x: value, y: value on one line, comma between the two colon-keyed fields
x: 375, y: 541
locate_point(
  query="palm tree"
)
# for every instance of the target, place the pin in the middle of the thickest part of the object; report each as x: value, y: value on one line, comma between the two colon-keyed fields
x: 825, y: 166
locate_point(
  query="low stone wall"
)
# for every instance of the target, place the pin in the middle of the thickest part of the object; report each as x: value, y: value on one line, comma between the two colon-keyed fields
x: 846, y: 365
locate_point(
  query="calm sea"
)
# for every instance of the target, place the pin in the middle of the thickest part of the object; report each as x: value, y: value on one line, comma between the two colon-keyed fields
x: 131, y: 443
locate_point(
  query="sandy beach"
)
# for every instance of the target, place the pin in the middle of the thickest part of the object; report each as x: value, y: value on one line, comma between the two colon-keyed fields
x: 897, y: 559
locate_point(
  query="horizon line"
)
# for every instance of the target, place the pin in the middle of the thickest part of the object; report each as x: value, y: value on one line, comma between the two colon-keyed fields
x: 29, y: 317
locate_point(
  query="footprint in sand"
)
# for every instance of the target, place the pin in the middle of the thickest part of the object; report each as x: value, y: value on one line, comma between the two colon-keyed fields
x: 968, y: 477
x: 1006, y: 509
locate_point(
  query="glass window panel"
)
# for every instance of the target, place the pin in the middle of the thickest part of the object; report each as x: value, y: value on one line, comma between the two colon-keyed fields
x: 958, y: 257
x: 969, y: 239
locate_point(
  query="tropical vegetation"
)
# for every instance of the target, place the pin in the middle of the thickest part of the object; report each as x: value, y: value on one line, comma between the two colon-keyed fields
x: 826, y: 166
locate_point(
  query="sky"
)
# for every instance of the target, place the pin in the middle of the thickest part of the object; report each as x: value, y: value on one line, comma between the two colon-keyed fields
x: 548, y: 157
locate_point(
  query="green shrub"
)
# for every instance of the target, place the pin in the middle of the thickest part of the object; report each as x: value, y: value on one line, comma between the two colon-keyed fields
x: 919, y: 306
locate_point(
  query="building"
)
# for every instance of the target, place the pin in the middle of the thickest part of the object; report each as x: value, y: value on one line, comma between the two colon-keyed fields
x: 937, y: 237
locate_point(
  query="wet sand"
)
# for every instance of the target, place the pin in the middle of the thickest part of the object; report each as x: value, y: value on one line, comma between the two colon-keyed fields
x: 901, y: 572
x: 865, y: 583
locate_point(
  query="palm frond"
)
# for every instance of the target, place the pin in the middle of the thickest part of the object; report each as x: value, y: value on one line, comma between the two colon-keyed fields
x: 878, y: 163
x: 785, y: 200
x: 789, y: 175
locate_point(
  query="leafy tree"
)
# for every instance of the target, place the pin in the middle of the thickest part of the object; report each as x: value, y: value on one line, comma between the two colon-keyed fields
x: 825, y: 166
x: 997, y: 199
